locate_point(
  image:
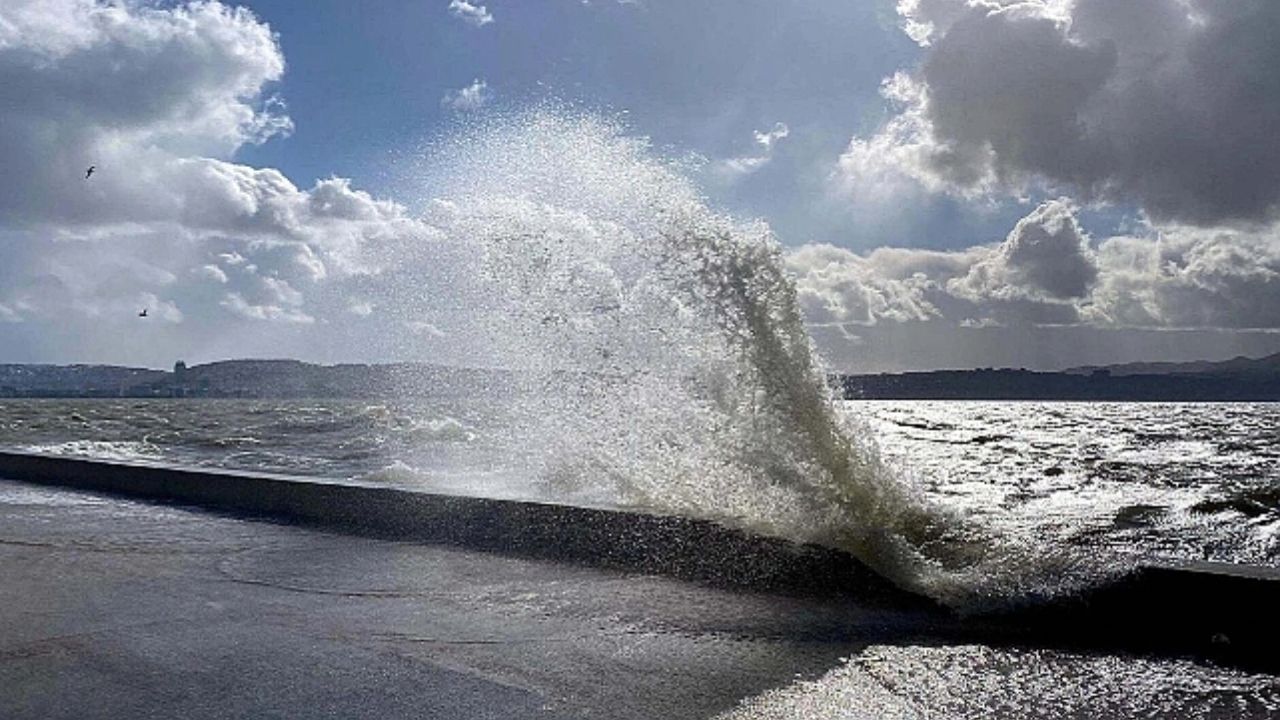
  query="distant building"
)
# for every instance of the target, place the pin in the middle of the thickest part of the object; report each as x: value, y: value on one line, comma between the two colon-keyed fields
x: 179, y: 379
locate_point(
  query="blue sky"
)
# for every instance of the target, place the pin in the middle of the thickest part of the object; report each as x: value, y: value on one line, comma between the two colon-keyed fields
x: 364, y: 89
x: 954, y: 182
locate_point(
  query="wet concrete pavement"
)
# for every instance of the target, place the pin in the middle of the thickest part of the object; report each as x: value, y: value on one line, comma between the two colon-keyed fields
x: 119, y: 608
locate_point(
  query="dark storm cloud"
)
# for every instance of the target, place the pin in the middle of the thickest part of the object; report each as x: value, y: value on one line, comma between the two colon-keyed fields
x: 1045, y: 257
x: 1171, y: 105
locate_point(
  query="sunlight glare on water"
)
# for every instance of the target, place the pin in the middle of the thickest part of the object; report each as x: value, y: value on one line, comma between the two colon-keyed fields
x: 970, y: 682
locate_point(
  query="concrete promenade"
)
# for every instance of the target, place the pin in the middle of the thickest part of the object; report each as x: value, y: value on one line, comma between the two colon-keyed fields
x: 115, y: 608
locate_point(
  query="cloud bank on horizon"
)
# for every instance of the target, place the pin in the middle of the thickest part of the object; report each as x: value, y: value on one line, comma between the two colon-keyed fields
x: 1163, y: 108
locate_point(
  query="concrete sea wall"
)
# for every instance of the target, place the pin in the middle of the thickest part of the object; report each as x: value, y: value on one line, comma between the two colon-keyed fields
x: 679, y: 547
x: 1212, y: 611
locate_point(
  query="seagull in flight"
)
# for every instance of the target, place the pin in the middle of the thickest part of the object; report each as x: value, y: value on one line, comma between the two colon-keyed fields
x: 89, y: 172
x: 143, y: 313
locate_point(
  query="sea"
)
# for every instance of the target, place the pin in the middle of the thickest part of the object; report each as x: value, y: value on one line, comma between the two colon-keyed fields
x: 1152, y: 480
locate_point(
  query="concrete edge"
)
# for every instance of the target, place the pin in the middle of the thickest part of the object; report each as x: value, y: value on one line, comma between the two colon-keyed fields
x: 1220, y: 612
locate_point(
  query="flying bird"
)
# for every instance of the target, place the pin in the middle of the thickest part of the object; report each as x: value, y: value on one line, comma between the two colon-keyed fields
x: 143, y: 313
x: 89, y: 172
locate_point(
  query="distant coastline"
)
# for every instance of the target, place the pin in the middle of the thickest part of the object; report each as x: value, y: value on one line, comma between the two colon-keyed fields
x: 1240, y: 379
x: 265, y: 379
x: 1027, y: 385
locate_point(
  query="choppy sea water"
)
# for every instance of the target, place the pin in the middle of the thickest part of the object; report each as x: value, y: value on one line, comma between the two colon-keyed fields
x: 417, y: 445
x: 1196, y: 481
x: 1185, y: 480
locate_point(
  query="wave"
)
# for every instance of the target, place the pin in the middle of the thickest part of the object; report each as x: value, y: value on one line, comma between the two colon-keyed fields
x: 397, y: 473
x: 124, y: 451
x: 443, y: 429
x: 663, y: 360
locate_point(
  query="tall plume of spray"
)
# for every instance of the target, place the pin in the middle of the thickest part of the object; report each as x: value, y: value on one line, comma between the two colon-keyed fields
x: 660, y: 358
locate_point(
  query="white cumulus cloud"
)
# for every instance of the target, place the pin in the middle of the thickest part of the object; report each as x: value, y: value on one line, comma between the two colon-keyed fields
x: 1046, y: 257
x: 471, y: 97
x: 477, y: 15
x: 158, y: 98
x: 766, y: 141
x: 1047, y: 271
x: 236, y: 303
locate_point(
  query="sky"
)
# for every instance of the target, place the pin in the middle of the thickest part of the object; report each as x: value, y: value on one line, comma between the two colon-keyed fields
x: 955, y: 183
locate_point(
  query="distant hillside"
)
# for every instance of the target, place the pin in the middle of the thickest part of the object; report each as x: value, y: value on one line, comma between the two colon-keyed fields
x: 1235, y: 366
x: 1240, y: 379
x: 243, y: 379
x: 1027, y: 385
x: 71, y: 380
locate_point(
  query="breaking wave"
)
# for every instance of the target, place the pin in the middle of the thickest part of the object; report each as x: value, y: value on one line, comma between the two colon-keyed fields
x: 122, y: 451
x: 662, y: 359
